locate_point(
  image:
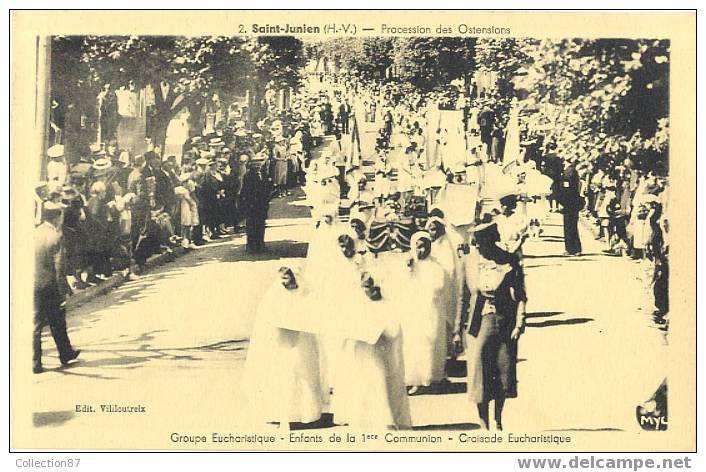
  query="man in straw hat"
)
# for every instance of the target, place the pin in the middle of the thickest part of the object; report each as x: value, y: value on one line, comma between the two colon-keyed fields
x: 56, y: 167
x: 50, y: 288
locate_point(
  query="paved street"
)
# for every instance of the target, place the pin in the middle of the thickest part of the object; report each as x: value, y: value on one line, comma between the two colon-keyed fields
x: 176, y: 339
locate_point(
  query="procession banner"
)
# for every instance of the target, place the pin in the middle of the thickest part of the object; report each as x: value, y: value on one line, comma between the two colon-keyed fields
x: 163, y: 354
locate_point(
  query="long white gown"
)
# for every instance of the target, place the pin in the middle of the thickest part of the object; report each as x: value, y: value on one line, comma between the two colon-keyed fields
x: 424, y: 323
x: 339, y: 277
x: 370, y: 389
x: 444, y: 251
x: 281, y: 377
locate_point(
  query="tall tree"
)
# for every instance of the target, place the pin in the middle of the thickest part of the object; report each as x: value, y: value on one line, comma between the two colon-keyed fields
x: 433, y: 62
x: 182, y: 72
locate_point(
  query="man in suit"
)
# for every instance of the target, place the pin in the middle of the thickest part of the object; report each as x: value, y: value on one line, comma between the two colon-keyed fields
x: 254, y: 204
x: 572, y: 202
x: 50, y: 287
x: 344, y: 113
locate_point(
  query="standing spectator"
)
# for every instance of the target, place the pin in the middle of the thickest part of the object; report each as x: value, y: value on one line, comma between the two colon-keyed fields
x: 135, y: 176
x: 254, y: 204
x: 344, y: 113
x: 56, y: 168
x: 570, y: 199
x: 188, y: 211
x: 208, y: 198
x: 73, y: 234
x: 279, y: 176
x: 50, y: 288
x: 98, y: 232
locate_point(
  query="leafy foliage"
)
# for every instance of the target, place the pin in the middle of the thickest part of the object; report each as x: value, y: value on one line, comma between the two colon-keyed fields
x: 182, y: 71
x: 431, y: 63
x: 601, y: 100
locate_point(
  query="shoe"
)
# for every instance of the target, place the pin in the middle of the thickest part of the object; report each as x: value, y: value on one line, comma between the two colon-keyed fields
x: 74, y: 354
x: 199, y: 243
x: 37, y: 369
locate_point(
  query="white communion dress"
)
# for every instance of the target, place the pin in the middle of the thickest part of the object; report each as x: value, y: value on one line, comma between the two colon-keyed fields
x: 281, y: 377
x: 424, y: 323
x: 370, y: 390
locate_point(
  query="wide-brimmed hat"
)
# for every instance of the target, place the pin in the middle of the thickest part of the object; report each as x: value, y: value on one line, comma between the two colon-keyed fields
x: 327, y: 172
x: 102, y: 164
x: 216, y: 142
x: 241, y: 133
x: 56, y: 151
x: 202, y: 161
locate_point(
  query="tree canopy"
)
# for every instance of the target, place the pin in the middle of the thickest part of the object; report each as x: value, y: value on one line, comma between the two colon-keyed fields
x: 182, y: 71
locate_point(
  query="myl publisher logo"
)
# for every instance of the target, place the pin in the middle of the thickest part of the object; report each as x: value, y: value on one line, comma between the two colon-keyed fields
x: 652, y: 415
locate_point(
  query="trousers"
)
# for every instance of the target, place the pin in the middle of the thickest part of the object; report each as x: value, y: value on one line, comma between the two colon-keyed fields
x: 572, y: 241
x: 255, y: 233
x: 48, y: 311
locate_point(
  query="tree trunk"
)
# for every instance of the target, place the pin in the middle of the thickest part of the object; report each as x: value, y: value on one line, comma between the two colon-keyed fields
x: 158, y: 128
x: 195, y: 124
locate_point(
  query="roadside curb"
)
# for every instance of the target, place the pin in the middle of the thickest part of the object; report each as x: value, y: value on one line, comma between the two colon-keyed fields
x: 85, y: 296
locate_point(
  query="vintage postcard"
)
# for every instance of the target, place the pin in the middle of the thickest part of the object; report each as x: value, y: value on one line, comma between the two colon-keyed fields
x: 353, y: 231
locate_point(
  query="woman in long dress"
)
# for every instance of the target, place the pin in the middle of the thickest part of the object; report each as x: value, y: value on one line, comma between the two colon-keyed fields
x: 279, y: 155
x: 493, y: 322
x: 281, y: 377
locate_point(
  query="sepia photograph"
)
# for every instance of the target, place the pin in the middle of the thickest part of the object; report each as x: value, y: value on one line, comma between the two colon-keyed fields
x: 439, y: 231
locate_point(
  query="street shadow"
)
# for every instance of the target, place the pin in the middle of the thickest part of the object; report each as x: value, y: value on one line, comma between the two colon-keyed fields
x: 448, y: 388
x: 284, y: 249
x: 286, y: 207
x: 447, y: 427
x: 326, y: 421
x: 543, y: 314
x: 563, y: 256
x: 51, y: 418
x: 118, y: 358
x: 552, y: 239
x: 547, y: 323
x: 535, y: 266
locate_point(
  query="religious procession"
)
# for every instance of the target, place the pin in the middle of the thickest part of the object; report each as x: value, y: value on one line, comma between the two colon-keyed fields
x: 427, y: 189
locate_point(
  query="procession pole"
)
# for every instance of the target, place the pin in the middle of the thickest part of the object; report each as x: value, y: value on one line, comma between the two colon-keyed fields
x: 42, y: 99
